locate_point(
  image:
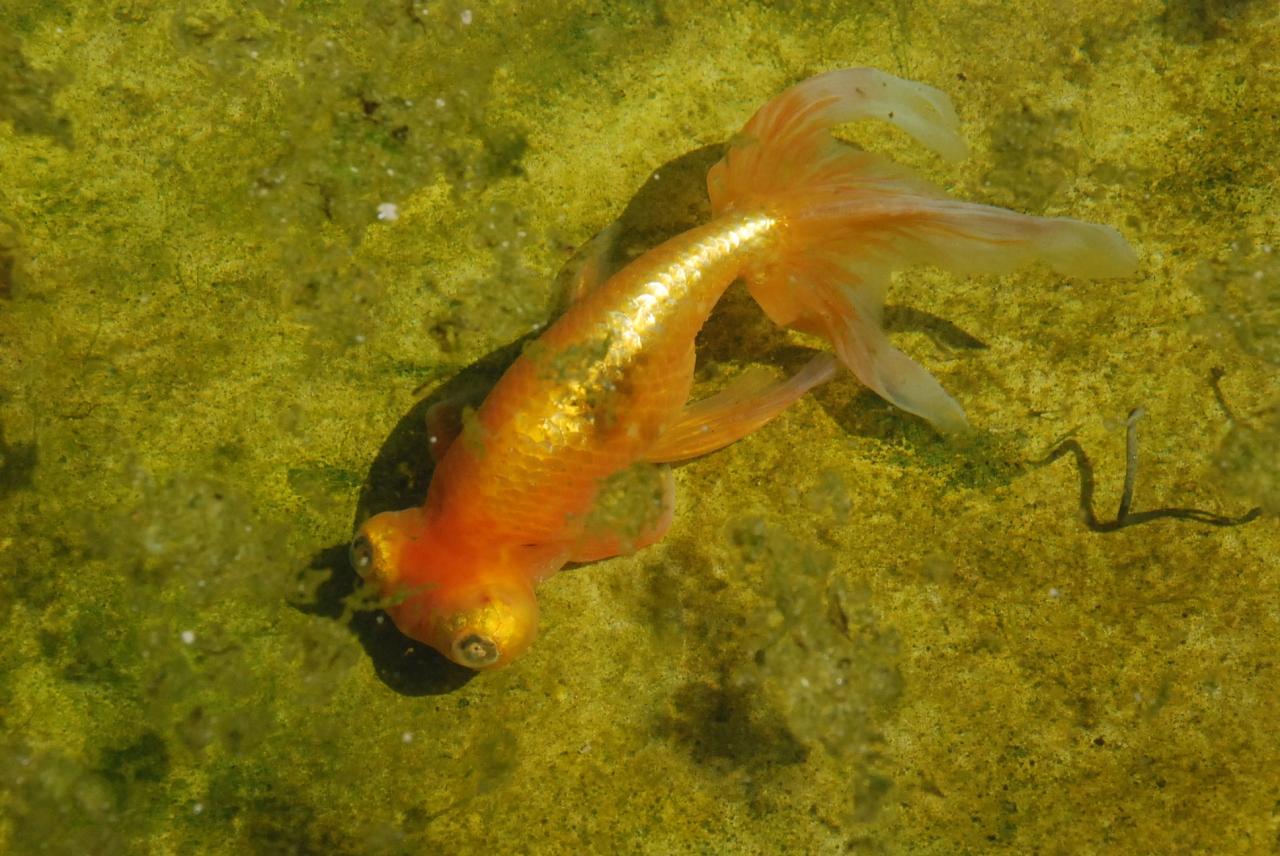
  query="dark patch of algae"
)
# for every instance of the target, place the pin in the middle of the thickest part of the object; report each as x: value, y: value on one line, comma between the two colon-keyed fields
x: 857, y: 637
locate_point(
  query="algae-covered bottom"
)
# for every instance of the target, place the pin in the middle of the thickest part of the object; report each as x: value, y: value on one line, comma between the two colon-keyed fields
x: 239, y: 244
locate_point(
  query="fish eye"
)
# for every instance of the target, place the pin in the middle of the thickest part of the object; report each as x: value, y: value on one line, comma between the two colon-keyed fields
x: 361, y: 555
x: 475, y: 650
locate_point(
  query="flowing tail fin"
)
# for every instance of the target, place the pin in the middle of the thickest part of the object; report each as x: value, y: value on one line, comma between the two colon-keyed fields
x: 853, y: 217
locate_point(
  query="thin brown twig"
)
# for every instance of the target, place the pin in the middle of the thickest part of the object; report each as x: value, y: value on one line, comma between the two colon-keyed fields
x: 1124, y: 516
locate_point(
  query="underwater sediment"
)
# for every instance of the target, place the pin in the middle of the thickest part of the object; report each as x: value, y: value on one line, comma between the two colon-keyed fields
x: 239, y: 243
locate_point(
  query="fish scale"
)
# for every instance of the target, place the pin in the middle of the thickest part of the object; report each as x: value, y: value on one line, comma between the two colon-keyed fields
x: 544, y: 451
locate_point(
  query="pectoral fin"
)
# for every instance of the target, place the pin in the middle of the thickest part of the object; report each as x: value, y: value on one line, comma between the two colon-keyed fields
x: 445, y: 418
x: 590, y: 266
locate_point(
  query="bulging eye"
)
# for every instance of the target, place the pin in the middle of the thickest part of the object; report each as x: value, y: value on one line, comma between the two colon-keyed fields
x: 475, y: 651
x: 362, y: 556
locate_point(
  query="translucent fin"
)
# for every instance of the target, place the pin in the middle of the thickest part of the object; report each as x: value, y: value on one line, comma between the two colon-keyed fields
x: 853, y: 217
x: 887, y: 230
x: 788, y: 141
x: 444, y: 418
x: 633, y: 510
x: 591, y: 265
x: 852, y: 322
x: 751, y: 400
x: 444, y: 424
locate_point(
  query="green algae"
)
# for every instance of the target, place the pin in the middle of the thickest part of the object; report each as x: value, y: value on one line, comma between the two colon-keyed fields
x: 26, y: 96
x: 857, y: 636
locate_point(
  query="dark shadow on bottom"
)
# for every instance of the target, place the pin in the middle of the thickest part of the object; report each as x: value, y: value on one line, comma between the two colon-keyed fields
x: 408, y: 667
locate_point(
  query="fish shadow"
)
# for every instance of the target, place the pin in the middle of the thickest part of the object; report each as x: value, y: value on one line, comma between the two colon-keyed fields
x: 672, y: 200
x: 398, y: 478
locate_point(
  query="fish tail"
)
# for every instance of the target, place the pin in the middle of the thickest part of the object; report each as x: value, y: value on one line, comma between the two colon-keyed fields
x: 851, y: 217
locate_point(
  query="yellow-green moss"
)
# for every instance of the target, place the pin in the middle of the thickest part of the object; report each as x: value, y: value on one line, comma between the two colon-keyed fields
x: 856, y: 637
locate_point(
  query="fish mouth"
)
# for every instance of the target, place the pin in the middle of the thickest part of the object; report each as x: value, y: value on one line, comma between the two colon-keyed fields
x: 360, y: 554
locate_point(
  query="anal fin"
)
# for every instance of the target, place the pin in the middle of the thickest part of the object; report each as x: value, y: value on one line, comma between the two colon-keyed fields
x: 633, y: 510
x: 744, y: 405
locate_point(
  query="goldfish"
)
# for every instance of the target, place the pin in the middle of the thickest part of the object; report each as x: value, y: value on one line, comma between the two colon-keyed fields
x: 814, y: 227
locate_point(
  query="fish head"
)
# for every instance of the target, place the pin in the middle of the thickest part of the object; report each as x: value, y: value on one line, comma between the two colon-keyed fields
x: 484, y: 626
x: 474, y: 605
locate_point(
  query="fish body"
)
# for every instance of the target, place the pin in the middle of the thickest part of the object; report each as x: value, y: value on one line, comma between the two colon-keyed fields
x: 595, y: 391
x: 814, y: 227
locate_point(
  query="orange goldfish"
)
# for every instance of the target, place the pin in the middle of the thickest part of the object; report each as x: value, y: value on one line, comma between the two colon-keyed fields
x: 814, y: 227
